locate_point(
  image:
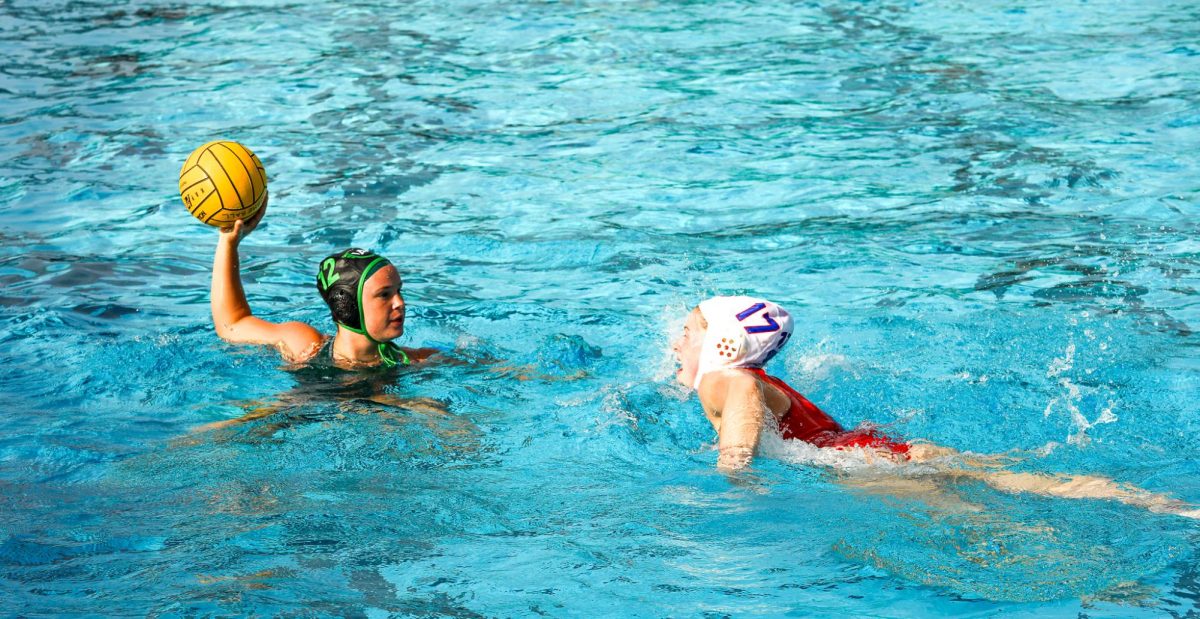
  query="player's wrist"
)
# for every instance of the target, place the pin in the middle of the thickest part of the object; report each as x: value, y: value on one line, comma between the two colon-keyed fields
x: 228, y: 240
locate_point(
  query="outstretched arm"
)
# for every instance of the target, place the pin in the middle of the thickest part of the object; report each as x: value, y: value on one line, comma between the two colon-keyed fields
x: 231, y: 313
x: 1087, y: 487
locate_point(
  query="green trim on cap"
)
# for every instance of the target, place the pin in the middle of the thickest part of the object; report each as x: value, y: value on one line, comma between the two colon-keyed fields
x: 362, y: 281
x: 353, y: 330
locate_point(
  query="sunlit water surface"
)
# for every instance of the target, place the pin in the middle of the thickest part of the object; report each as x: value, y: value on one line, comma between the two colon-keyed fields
x: 981, y: 215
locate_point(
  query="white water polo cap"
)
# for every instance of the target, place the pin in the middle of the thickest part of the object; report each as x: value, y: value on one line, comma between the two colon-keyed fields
x: 743, y: 332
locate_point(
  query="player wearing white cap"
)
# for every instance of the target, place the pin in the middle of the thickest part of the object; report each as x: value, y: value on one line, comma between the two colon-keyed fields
x: 726, y: 341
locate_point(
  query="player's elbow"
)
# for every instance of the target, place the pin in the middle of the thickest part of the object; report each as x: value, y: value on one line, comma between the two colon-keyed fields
x: 226, y: 330
x: 225, y: 322
x: 300, y: 341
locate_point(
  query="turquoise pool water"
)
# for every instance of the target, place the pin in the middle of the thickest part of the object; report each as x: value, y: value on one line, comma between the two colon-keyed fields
x: 982, y: 216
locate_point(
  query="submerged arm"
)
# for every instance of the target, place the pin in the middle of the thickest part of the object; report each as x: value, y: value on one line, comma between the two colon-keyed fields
x: 1087, y: 487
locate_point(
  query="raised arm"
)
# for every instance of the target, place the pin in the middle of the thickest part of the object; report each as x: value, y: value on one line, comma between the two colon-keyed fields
x: 742, y: 415
x: 231, y: 313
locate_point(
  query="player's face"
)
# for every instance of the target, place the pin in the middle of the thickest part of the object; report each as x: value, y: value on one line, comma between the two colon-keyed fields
x: 383, y: 305
x: 687, y: 348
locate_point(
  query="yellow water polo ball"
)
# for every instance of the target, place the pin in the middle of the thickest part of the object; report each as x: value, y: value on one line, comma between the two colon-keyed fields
x: 222, y: 182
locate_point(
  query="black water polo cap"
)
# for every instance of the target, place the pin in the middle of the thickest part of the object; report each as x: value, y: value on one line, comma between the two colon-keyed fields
x: 340, y: 281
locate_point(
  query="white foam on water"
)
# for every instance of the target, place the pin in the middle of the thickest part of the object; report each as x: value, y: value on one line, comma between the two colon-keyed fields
x: 671, y: 318
x: 857, y: 459
x: 1062, y: 364
x: 1069, y: 400
x: 816, y: 364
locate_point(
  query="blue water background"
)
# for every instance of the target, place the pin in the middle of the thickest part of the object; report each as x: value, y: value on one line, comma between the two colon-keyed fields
x: 981, y: 214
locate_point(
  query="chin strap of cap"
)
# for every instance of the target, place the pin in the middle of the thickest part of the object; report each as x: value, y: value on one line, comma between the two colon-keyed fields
x: 392, y: 355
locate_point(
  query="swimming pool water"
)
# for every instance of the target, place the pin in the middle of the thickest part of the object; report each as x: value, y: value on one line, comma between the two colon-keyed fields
x: 981, y: 215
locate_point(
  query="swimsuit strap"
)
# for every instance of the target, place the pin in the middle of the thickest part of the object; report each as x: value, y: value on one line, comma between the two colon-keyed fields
x: 803, y: 419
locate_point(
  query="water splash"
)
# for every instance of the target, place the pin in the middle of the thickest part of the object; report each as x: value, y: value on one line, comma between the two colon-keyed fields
x: 1070, y: 399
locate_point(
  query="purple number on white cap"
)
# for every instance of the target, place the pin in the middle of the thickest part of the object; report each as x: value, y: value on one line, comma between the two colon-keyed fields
x: 753, y: 309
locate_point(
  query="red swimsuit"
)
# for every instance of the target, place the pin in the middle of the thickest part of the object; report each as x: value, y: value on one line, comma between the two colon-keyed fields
x: 806, y: 422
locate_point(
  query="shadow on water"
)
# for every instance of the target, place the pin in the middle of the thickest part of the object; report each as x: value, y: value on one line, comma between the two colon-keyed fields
x: 1107, y: 277
x: 990, y: 156
x: 983, y: 545
x: 315, y: 489
x: 1183, y: 598
x: 382, y: 118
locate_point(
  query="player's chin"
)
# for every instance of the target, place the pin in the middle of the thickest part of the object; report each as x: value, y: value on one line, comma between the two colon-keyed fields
x: 393, y: 330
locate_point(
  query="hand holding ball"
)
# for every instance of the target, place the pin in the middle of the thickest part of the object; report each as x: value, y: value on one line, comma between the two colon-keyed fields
x: 222, y: 182
x: 241, y: 227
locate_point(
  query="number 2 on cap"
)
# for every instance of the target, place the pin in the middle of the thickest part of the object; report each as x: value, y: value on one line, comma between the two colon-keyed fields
x: 752, y: 310
x: 327, y: 274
